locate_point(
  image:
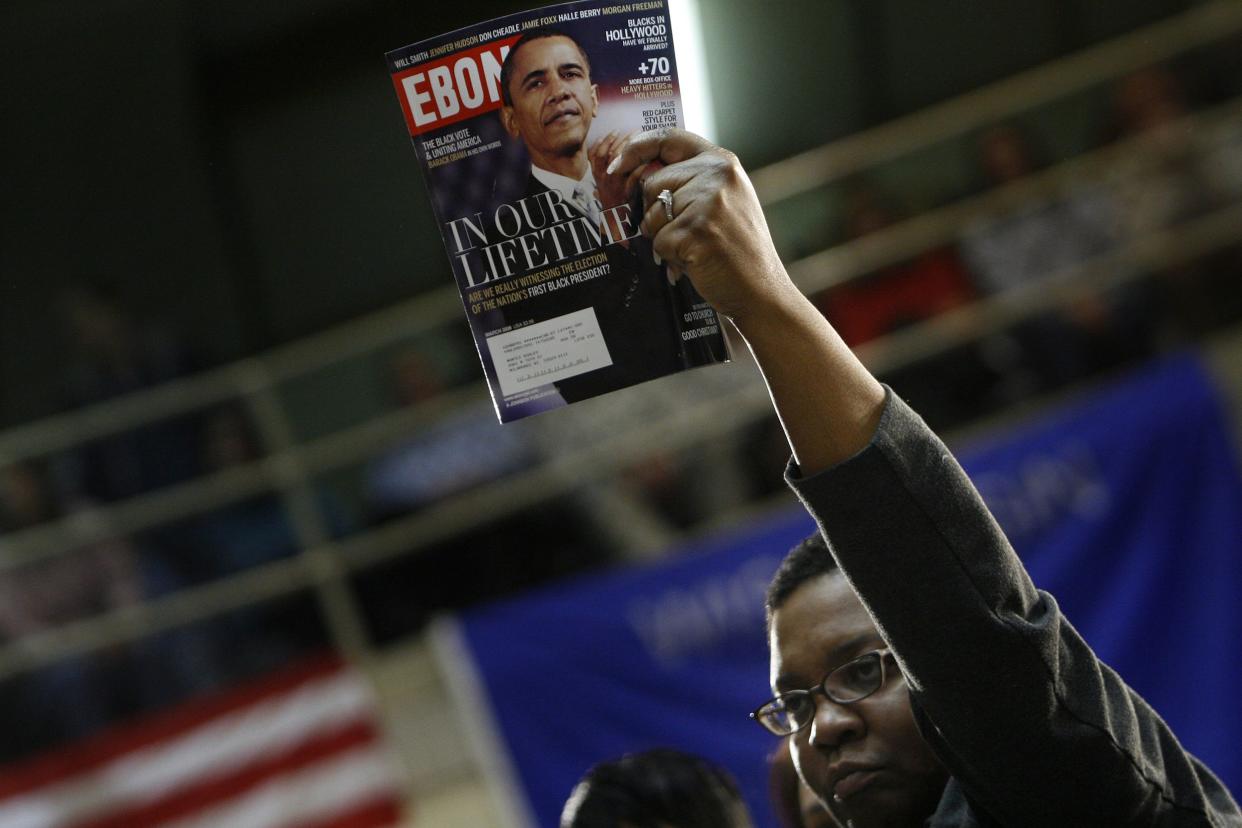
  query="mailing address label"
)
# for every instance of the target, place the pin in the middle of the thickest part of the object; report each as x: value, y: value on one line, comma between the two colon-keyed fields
x: 548, y: 351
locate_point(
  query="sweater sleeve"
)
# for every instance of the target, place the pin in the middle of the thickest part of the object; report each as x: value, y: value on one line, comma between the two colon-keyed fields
x: 1035, y: 729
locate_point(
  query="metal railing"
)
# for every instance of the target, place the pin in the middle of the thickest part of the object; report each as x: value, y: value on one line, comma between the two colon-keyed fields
x: 1208, y: 23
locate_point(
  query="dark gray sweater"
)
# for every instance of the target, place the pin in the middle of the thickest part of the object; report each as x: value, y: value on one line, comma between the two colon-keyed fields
x: 1034, y: 729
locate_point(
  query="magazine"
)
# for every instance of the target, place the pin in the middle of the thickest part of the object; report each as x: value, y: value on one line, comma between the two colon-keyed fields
x: 511, y: 121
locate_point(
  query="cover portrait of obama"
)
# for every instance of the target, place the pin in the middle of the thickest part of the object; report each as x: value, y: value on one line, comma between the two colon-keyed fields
x: 570, y: 206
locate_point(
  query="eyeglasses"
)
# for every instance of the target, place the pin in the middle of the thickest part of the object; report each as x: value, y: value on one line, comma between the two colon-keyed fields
x: 853, y: 681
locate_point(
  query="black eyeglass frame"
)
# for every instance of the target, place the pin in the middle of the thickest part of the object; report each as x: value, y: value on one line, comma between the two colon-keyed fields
x: 881, y: 655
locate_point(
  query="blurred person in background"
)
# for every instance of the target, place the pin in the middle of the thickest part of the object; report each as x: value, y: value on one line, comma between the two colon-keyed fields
x: 112, y: 353
x: 1177, y: 174
x: 903, y: 294
x: 240, y: 536
x: 1033, y: 238
x: 795, y: 804
x: 660, y: 788
x: 78, y: 695
x: 444, y: 459
x: 898, y: 295
x: 954, y: 692
x: 450, y: 458
x: 252, y: 531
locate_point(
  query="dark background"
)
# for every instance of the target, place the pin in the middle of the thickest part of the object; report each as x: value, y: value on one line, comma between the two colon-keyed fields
x: 240, y: 170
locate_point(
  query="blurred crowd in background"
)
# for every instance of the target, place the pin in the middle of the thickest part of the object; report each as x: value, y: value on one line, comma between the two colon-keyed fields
x: 1175, y: 177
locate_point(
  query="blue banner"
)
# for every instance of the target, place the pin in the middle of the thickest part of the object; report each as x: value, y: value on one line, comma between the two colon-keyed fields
x: 1127, y: 506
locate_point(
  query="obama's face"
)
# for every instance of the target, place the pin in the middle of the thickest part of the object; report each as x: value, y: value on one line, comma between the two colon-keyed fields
x: 553, y: 99
x: 865, y: 760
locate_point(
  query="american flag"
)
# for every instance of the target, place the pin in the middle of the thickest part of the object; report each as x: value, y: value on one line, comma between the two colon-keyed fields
x: 298, y: 749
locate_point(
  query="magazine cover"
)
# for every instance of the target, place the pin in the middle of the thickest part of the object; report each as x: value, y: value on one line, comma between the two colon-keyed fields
x: 512, y: 121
